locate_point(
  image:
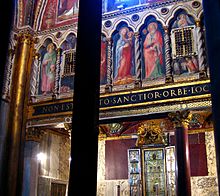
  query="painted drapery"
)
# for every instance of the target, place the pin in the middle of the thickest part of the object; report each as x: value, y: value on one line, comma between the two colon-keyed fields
x: 48, y: 70
x: 124, y: 57
x: 152, y: 50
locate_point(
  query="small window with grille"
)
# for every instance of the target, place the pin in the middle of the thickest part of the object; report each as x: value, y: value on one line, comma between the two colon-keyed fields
x: 183, y: 42
x: 69, y: 63
x: 58, y: 189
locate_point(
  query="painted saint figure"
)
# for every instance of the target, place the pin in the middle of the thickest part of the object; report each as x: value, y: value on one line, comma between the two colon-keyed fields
x: 123, y: 68
x: 182, y: 20
x: 48, y: 70
x: 153, y: 56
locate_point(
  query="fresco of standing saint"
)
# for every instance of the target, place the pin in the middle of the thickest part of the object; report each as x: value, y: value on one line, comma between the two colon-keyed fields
x: 124, y: 57
x: 48, y: 70
x: 152, y: 50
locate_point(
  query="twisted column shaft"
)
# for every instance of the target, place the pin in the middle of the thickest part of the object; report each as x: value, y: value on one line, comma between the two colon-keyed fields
x: 57, y: 75
x: 109, y: 65
x: 201, y: 48
x: 137, y: 59
x: 169, y: 77
x: 8, y: 74
x: 35, y: 73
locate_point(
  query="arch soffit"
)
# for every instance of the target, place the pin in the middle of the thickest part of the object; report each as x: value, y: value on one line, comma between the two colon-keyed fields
x: 64, y: 36
x: 19, y: 13
x: 40, y: 9
x: 43, y: 39
x: 153, y: 13
x: 134, y: 26
x: 118, y: 21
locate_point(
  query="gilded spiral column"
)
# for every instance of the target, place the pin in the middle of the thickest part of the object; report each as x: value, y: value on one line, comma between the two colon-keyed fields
x: 169, y: 77
x: 35, y: 73
x: 137, y: 52
x: 201, y: 50
x: 8, y: 73
x: 180, y: 121
x: 108, y: 87
x: 12, y: 151
x: 57, y: 75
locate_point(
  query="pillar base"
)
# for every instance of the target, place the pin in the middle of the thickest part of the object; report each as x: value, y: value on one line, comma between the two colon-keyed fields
x: 54, y: 96
x: 169, y: 79
x: 108, y: 88
x: 137, y: 84
x: 203, y: 75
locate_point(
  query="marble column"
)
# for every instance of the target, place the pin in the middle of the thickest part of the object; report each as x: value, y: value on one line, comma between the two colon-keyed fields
x: 180, y: 121
x: 31, y: 166
x: 201, y: 50
x: 137, y: 59
x: 169, y: 77
x: 108, y: 87
x: 13, y: 150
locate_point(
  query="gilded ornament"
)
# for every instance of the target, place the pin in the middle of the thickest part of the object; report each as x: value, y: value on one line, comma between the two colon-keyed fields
x: 180, y: 118
x: 150, y: 133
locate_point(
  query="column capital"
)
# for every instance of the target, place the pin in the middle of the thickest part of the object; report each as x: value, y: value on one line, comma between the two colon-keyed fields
x: 109, y: 40
x: 166, y: 29
x: 34, y: 134
x: 59, y: 49
x: 36, y: 54
x: 137, y: 34
x: 25, y: 38
x: 180, y: 118
x: 198, y: 23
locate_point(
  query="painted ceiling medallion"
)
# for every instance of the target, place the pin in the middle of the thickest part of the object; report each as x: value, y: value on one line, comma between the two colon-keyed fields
x: 196, y: 4
x: 164, y: 11
x: 135, y: 17
x: 108, y: 23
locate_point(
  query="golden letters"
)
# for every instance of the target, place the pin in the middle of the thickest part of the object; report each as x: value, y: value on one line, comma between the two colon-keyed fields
x: 155, y: 95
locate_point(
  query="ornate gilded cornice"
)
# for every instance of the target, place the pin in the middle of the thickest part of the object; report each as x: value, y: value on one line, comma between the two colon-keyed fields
x: 180, y: 118
x: 24, y: 30
x: 57, y: 29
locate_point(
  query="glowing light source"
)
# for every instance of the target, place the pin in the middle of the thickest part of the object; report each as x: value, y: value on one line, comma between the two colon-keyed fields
x: 41, y: 156
x: 60, y: 125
